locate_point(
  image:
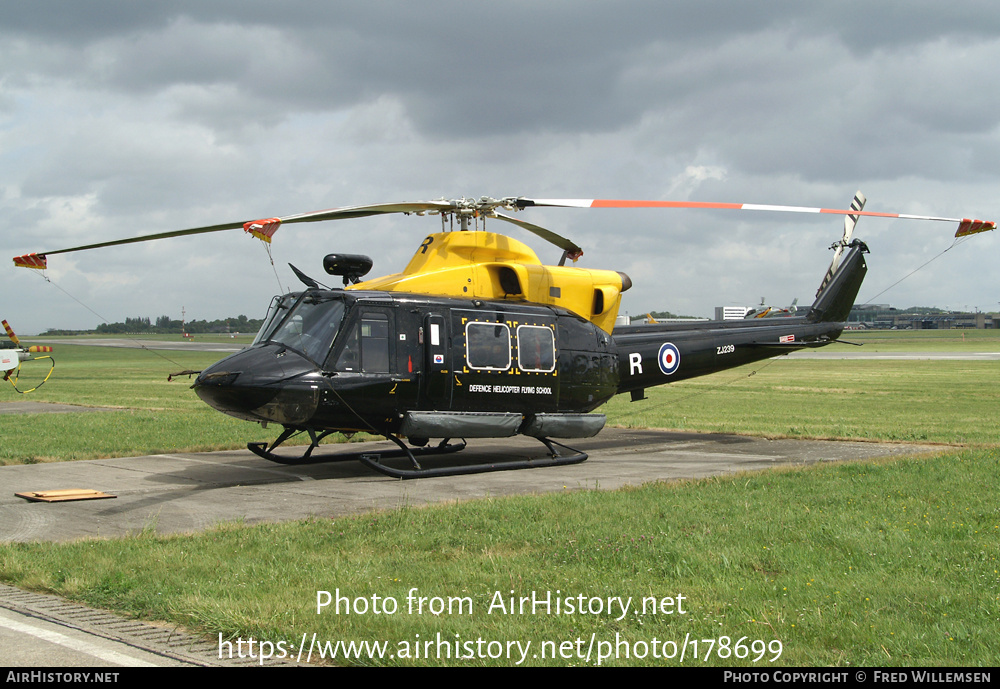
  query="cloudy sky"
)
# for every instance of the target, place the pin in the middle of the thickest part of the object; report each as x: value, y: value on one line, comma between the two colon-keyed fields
x: 124, y: 118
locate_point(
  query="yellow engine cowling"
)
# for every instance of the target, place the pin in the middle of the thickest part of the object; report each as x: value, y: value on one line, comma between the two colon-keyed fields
x: 486, y: 265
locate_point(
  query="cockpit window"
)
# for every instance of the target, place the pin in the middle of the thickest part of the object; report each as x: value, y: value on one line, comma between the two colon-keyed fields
x: 372, y: 356
x: 310, y: 326
x: 275, y: 312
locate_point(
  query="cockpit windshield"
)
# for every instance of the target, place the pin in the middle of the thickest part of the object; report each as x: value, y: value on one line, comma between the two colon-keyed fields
x: 275, y: 312
x: 310, y: 325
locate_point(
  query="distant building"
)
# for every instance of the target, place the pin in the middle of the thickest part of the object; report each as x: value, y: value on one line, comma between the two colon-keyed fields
x: 732, y: 313
x: 886, y: 317
x: 883, y: 316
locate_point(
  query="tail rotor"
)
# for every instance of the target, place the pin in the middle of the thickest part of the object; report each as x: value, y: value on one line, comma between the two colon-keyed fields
x: 850, y: 222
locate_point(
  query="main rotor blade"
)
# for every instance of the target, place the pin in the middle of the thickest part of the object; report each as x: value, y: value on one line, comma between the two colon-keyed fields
x: 145, y: 238
x: 572, y: 250
x: 966, y: 226
x: 373, y: 209
x: 263, y: 229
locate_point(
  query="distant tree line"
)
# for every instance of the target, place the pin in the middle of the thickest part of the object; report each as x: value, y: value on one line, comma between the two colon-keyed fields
x: 666, y: 314
x: 164, y: 325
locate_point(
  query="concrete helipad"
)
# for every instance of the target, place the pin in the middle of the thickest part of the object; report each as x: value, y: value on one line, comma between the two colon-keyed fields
x: 189, y: 492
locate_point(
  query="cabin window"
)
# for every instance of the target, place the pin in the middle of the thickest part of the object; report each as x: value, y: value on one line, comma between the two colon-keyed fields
x: 536, y: 349
x: 487, y: 346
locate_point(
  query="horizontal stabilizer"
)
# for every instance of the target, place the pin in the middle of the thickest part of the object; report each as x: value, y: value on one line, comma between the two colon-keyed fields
x: 791, y: 346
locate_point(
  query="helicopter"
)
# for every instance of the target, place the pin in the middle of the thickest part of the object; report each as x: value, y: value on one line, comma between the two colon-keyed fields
x: 13, y: 354
x: 476, y: 338
x: 763, y: 310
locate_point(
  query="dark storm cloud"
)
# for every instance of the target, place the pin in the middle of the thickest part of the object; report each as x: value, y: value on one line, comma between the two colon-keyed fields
x: 826, y: 90
x: 463, y: 68
x: 468, y: 69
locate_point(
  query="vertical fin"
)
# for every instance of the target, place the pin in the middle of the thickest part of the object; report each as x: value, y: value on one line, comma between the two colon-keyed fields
x: 837, y: 298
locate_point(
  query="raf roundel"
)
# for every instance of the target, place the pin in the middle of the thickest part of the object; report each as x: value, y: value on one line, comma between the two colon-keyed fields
x: 669, y: 358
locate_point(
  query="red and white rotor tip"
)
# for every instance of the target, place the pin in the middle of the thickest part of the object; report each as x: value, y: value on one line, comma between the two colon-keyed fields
x: 967, y: 227
x: 36, y: 261
x: 262, y: 229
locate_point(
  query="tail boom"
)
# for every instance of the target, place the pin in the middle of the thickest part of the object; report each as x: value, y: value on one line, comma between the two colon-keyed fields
x: 650, y: 355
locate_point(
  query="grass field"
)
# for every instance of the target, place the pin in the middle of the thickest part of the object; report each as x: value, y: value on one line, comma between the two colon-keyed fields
x: 927, y: 401
x: 151, y: 415
x: 920, y: 340
x: 884, y: 563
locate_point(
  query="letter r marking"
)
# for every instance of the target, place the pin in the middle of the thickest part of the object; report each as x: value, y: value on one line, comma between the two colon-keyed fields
x: 634, y: 363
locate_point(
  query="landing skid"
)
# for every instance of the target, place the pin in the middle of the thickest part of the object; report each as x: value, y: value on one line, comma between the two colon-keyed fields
x: 262, y: 450
x: 307, y: 457
x: 373, y: 460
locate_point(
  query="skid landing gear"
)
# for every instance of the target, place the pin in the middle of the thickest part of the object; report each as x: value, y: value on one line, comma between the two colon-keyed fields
x: 262, y: 450
x: 373, y: 460
x: 307, y: 457
x: 555, y: 459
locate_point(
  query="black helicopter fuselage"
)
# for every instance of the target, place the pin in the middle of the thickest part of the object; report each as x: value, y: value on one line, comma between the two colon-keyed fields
x: 357, y: 360
x: 419, y: 366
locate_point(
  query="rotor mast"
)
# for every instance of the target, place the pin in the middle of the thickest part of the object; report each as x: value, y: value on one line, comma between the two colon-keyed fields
x: 467, y: 210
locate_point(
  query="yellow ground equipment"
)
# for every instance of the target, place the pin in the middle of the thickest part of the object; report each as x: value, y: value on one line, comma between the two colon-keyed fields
x: 12, y: 355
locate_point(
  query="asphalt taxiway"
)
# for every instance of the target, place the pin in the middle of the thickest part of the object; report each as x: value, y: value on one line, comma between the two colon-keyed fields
x: 184, y: 492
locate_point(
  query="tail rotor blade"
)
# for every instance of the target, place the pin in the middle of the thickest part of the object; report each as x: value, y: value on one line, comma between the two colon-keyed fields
x: 850, y: 222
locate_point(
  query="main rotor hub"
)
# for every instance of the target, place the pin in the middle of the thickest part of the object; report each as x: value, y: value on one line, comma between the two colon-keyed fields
x: 484, y: 205
x: 465, y: 208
